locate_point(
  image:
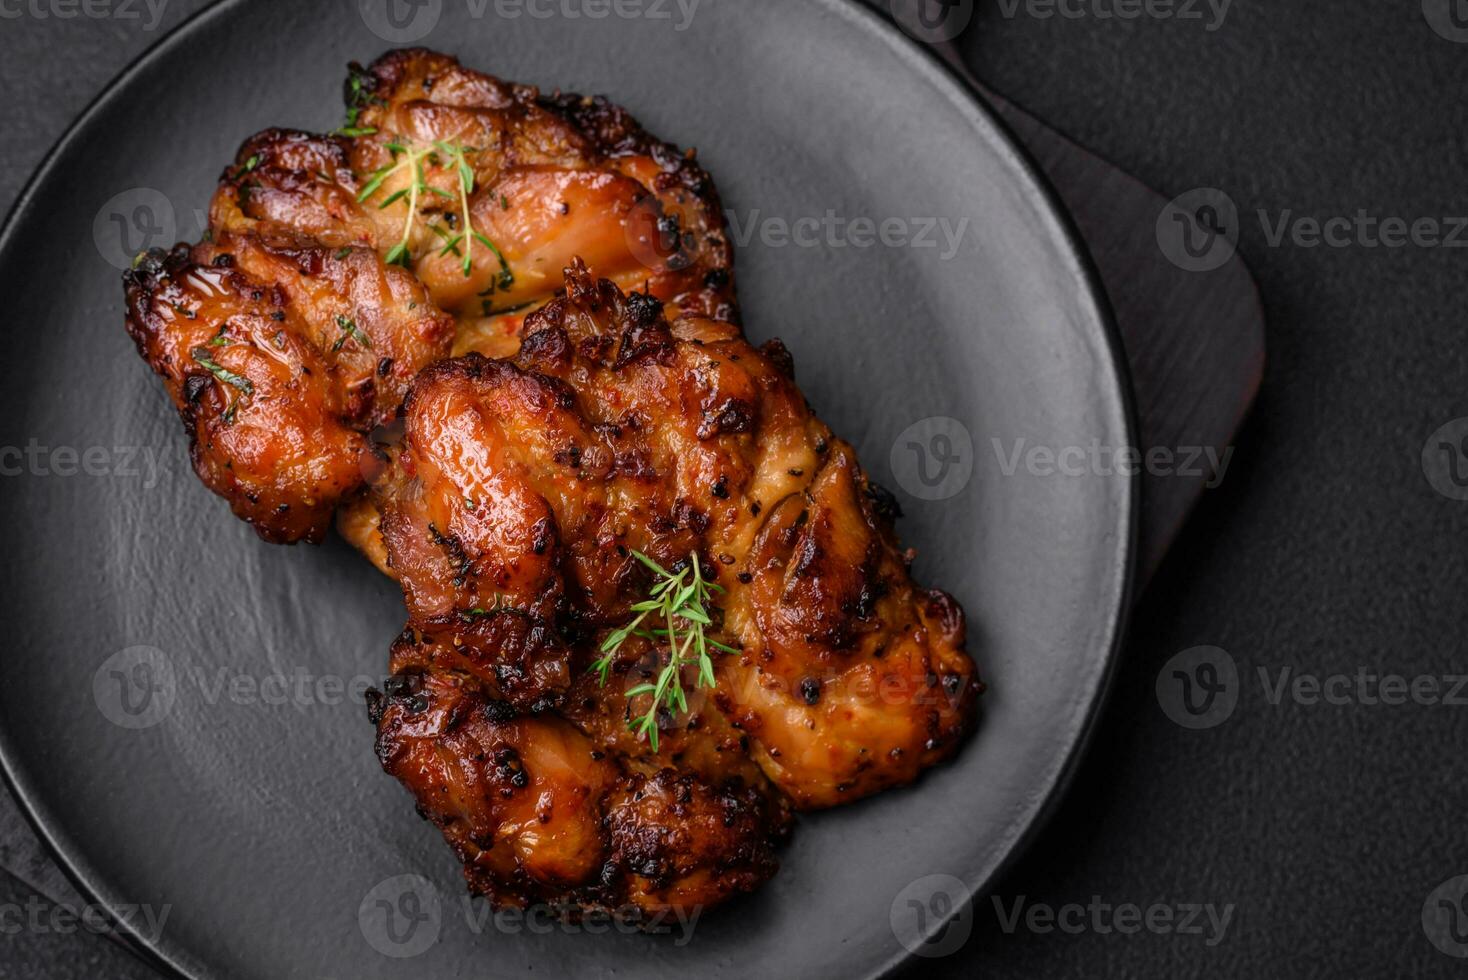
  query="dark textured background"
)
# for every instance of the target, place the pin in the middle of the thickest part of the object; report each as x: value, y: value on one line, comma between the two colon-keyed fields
x: 1325, y: 548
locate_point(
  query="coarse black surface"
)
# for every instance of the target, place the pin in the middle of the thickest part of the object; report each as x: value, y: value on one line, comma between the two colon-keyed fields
x: 249, y: 817
x: 1324, y: 548
x: 40, y: 940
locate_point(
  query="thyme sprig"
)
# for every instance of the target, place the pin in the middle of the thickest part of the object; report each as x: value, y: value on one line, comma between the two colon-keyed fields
x: 455, y: 154
x: 409, y: 158
x: 439, y: 153
x: 681, y: 602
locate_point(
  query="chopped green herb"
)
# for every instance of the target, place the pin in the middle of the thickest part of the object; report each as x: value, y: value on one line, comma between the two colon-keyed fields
x: 201, y: 355
x: 350, y: 329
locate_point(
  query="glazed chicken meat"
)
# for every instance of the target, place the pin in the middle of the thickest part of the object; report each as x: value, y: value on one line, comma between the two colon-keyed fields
x: 491, y: 333
x: 341, y: 266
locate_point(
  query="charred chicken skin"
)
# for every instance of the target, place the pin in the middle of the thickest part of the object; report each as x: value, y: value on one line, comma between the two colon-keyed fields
x: 397, y: 326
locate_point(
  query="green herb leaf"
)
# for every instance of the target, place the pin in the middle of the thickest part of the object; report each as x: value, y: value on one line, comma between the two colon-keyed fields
x: 201, y: 355
x: 350, y: 329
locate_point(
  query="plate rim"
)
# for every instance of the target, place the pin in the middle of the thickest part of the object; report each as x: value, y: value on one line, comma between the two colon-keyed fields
x: 929, y: 63
x: 1117, y: 396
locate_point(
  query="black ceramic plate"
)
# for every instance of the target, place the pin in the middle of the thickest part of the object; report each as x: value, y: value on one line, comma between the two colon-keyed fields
x: 173, y: 712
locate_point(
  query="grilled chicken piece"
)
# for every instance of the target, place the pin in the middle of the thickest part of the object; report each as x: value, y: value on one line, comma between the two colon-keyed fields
x: 539, y: 814
x: 290, y: 438
x: 522, y: 486
x: 553, y: 177
x: 280, y: 353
